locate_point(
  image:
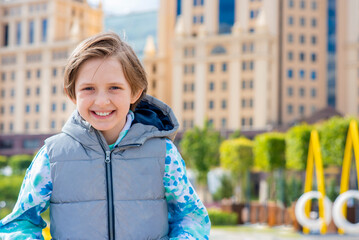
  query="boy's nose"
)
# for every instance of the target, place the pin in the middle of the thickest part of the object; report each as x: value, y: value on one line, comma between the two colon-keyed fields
x: 102, y: 99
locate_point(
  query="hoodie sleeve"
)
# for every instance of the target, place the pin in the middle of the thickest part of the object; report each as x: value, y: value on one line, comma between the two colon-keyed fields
x: 187, y: 216
x: 25, y: 222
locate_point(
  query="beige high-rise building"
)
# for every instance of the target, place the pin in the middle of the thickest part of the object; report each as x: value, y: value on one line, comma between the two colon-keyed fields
x: 36, y: 38
x: 254, y: 64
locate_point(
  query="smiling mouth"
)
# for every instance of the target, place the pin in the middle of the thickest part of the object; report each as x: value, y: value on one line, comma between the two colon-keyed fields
x: 102, y: 114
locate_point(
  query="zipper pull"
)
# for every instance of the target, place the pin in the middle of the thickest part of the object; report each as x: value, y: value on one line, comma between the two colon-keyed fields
x: 108, y: 157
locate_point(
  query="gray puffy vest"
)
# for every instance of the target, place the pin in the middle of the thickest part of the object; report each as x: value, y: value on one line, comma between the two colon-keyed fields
x: 118, y: 194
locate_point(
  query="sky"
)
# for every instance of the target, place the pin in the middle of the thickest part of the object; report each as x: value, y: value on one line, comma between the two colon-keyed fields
x: 127, y: 6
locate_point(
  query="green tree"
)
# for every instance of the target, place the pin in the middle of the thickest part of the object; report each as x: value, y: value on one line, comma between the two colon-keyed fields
x: 3, y: 161
x: 225, y: 190
x: 297, y: 143
x: 19, y: 163
x: 269, y: 155
x: 200, y: 149
x: 236, y: 155
x: 332, y: 135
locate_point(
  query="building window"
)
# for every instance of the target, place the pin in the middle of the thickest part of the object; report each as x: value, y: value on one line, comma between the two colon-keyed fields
x: 314, y: 22
x: 37, y: 108
x: 243, y: 122
x: 184, y: 105
x: 28, y: 74
x: 28, y: 91
x: 313, y: 92
x: 211, y: 104
x: 201, y: 19
x: 314, y: 5
x: 26, y: 126
x: 12, y: 92
x: 290, y: 20
x: 53, y: 124
x: 211, y: 86
x: 27, y: 108
x: 290, y: 91
x: 224, y: 85
x: 224, y: 67
x: 2, y: 93
x: 314, y: 57
x: 2, y: 109
x: 192, y: 105
x: 302, y: 39
x: 211, y: 122
x: 290, y: 73
x: 244, y: 66
x: 211, y: 67
x: 193, y: 70
x: 301, y: 92
x: 289, y: 108
x: 302, y: 4
x: 54, y: 72
x: 301, y: 74
x: 243, y: 84
x: 192, y: 87
x: 11, y: 127
x: 6, y: 35
x: 224, y: 122
x: 185, y: 87
x: 290, y: 3
x: 53, y: 108
x: 12, y: 109
x: 244, y: 47
x: 243, y: 103
x: 314, y: 40
x: 13, y: 75
x: 44, y: 30
x: 31, y: 31
x: 301, y: 110
x: 302, y: 57
x: 251, y: 84
x: 185, y: 69
x: 36, y: 125
x: 38, y: 91
x: 313, y: 75
x: 251, y: 103
x: 54, y: 89
x: 250, y: 121
x: 194, y: 19
x: 290, y: 38
x: 302, y: 21
x: 251, y: 65
x: 18, y: 33
x: 38, y: 73
x: 224, y: 104
x: 3, y: 76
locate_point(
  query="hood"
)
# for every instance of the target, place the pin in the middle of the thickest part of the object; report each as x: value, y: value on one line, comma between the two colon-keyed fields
x: 153, y: 118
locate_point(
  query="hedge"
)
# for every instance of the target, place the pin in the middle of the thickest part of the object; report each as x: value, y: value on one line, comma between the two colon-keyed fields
x: 220, y: 218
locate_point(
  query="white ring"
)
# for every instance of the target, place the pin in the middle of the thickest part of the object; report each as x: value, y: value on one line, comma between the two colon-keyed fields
x: 338, y: 217
x: 300, y: 211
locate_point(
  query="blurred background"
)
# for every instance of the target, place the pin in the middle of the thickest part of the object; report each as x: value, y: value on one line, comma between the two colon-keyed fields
x: 247, y: 79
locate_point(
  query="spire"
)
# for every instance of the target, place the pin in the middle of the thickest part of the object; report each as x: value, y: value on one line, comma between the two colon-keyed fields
x: 261, y: 22
x: 179, y: 30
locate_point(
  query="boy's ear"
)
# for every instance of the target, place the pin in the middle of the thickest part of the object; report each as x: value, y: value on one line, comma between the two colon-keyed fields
x: 136, y: 96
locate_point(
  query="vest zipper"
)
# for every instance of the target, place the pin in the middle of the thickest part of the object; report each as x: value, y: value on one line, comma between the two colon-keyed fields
x: 110, y: 208
x: 111, y: 220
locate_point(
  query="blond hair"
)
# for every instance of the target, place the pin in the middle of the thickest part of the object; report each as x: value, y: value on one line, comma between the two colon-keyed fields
x: 105, y: 45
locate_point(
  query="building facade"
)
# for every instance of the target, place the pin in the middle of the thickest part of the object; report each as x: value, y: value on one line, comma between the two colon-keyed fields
x: 254, y: 64
x: 36, y: 38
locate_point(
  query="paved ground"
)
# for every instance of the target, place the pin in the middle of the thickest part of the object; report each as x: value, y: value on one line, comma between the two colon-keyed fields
x: 256, y: 232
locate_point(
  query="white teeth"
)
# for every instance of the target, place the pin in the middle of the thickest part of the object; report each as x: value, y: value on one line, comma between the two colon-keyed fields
x: 103, y: 113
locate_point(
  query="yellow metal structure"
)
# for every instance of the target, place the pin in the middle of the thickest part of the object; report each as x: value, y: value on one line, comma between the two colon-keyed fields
x: 46, y: 233
x: 351, y: 143
x: 315, y: 159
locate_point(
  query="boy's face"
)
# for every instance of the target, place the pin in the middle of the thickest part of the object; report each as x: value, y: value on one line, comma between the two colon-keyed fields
x: 103, y: 96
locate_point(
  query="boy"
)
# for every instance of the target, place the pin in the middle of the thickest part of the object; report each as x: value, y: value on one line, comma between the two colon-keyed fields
x: 113, y: 172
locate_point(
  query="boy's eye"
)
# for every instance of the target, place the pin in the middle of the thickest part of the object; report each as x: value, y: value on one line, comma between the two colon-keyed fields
x: 88, y: 88
x: 115, y: 88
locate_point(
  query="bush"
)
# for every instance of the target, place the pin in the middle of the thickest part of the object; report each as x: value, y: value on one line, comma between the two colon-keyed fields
x: 269, y: 151
x: 10, y: 187
x: 333, y: 134
x: 3, y: 161
x: 219, y: 218
x: 19, y: 163
x: 297, y: 143
x: 225, y: 190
